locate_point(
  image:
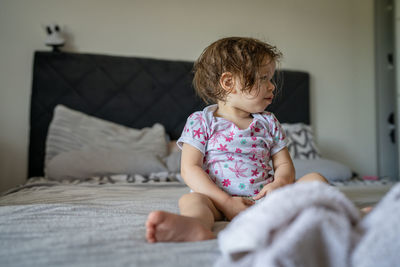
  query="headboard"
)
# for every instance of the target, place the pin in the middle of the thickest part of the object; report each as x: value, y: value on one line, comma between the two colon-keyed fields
x: 132, y: 91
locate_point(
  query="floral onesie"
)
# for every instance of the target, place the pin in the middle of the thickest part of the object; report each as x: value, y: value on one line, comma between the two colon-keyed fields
x: 237, y: 160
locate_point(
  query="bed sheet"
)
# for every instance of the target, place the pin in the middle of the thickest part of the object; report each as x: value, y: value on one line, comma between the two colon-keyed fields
x: 100, y: 222
x: 95, y: 225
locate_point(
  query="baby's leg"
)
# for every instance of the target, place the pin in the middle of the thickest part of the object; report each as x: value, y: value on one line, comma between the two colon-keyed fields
x: 318, y: 177
x: 313, y: 176
x: 195, y: 222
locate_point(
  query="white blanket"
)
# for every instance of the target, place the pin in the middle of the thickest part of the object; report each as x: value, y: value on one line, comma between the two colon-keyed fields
x: 312, y: 224
x: 380, y: 243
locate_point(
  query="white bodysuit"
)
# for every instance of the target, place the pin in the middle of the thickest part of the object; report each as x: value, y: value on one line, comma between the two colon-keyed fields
x: 237, y: 160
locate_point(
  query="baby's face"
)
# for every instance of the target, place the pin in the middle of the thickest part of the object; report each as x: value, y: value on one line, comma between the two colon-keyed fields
x: 262, y: 93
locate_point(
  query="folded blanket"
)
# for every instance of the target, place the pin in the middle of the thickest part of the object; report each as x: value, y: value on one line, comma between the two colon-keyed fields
x: 304, y: 224
x: 380, y: 243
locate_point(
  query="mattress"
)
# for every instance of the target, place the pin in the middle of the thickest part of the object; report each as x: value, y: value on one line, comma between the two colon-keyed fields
x: 101, y: 222
x: 92, y: 223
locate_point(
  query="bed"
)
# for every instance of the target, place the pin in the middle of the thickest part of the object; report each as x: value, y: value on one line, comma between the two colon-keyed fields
x: 101, y: 157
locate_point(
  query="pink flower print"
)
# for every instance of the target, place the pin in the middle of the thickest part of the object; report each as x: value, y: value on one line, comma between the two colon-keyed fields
x: 252, y: 181
x: 256, y: 192
x: 238, y: 170
x: 254, y: 145
x: 238, y: 150
x: 215, y: 163
x: 263, y: 166
x: 254, y: 172
x: 198, y: 118
x: 222, y: 148
x: 214, y: 138
x: 213, y: 141
x: 257, y: 129
x: 253, y: 150
x: 230, y: 138
x: 229, y: 156
x: 226, y: 182
x: 208, y: 171
x: 254, y: 138
x: 197, y: 132
x: 253, y: 158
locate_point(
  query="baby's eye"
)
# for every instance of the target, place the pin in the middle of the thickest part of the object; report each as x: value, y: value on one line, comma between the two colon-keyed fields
x: 264, y: 78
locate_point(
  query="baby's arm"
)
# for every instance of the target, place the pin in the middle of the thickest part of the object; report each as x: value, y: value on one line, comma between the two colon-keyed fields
x: 199, y: 181
x: 284, y: 172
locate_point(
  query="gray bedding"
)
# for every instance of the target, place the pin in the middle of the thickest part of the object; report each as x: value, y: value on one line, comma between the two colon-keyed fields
x: 100, y: 222
x: 90, y: 224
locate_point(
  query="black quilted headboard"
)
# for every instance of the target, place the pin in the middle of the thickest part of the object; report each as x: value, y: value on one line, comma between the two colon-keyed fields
x: 136, y: 92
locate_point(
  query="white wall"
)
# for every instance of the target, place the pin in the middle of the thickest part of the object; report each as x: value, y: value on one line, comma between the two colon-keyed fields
x: 331, y: 39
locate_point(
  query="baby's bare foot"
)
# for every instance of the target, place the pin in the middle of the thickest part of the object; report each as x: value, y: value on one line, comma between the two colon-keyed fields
x: 163, y: 226
x: 366, y: 210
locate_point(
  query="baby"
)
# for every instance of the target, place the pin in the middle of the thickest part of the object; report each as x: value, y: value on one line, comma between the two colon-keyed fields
x: 227, y: 148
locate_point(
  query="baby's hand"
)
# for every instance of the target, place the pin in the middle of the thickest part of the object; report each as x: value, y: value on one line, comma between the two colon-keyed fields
x: 267, y: 189
x: 234, y: 205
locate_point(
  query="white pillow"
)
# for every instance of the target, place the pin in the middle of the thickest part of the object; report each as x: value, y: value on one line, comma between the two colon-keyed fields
x: 94, y: 162
x: 74, y: 131
x: 331, y: 170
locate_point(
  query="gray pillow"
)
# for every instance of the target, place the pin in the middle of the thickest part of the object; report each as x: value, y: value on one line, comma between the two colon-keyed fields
x: 91, y: 162
x: 331, y: 170
x: 173, y: 161
x: 73, y: 131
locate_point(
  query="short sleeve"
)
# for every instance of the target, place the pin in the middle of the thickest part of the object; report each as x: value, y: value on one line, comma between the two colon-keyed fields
x: 276, y: 132
x: 195, y: 132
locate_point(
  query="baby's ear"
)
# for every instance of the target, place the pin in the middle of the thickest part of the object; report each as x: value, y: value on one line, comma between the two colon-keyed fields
x: 227, y: 82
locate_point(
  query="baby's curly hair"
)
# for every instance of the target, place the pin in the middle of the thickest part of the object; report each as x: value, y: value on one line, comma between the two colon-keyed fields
x: 239, y: 55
